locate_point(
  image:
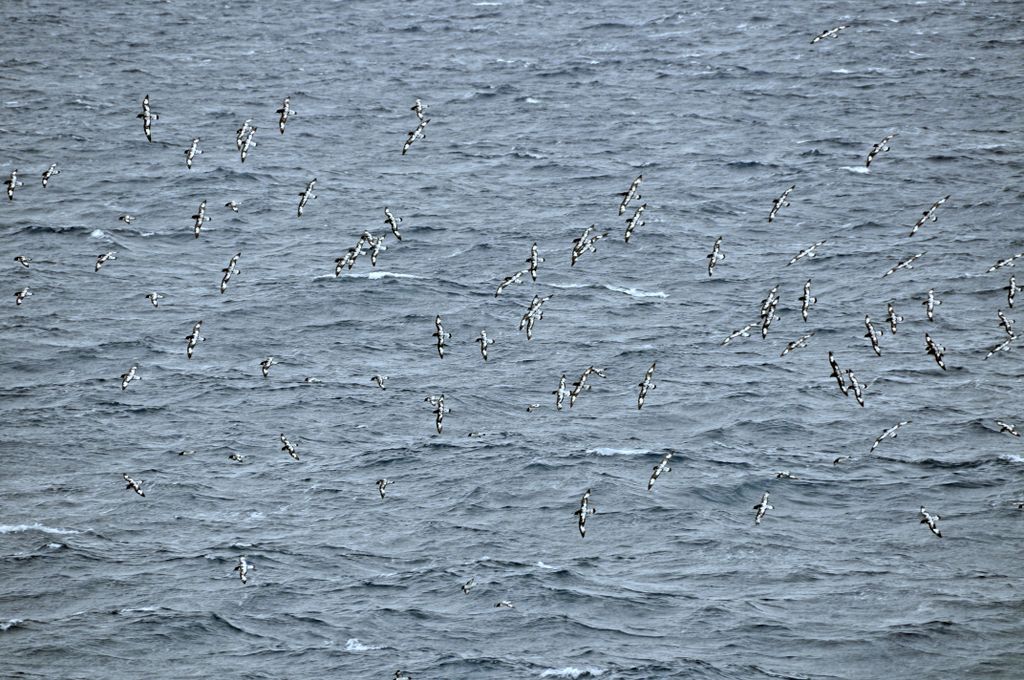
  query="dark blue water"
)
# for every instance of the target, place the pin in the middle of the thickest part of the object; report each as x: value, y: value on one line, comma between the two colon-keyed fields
x: 540, y: 113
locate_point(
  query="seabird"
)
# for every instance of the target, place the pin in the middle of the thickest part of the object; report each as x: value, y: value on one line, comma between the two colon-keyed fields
x: 187, y: 452
x: 467, y: 585
x: 1006, y: 324
x: 379, y: 380
x: 533, y: 314
x: 284, y: 111
x: 762, y: 508
x: 390, y: 220
x: 417, y: 108
x: 633, y: 222
x: 872, y: 335
x: 306, y: 195
x: 484, y: 341
x: 631, y: 194
x: 658, y: 469
x: 242, y: 133
x: 645, y: 385
x: 534, y: 260
x: 1007, y: 427
x: 191, y: 152
x: 265, y: 366
x: 928, y: 214
x: 715, y: 256
x: 232, y: 205
x: 581, y: 384
x: 12, y: 182
x: 193, y: 338
x: 935, y: 350
x: 247, y: 143
x: 22, y: 260
x: 856, y: 386
x: 743, y: 332
x: 1008, y: 262
x: 806, y: 300
x: 133, y: 485
x: 1011, y: 291
x: 585, y: 243
x: 509, y: 280
x: 785, y: 475
x: 506, y: 603
x: 147, y: 117
x: 129, y: 376
x: 229, y: 271
x: 891, y: 432
x: 154, y: 298
x: 20, y: 296
x: 201, y: 218
x: 418, y: 133
x: 929, y: 304
x: 809, y: 251
x: 243, y: 568
x: 837, y: 374
x: 878, y: 148
x: 440, y: 334
x: 830, y: 33
x: 382, y: 486
x: 439, y: 411
x: 560, y: 393
x: 930, y: 520
x: 102, y: 259
x: 289, y: 447
x: 48, y: 173
x: 126, y: 218
x: 1001, y: 347
x: 768, y: 306
x: 779, y: 203
x: 237, y: 457
x: 905, y: 264
x: 892, y: 317
x: 585, y: 510
x: 797, y: 344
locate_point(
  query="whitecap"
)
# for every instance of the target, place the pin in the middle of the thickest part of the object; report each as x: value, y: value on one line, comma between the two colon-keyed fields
x: 859, y: 169
x: 354, y: 645
x: 21, y: 528
x: 373, y: 276
x: 636, y: 292
x: 531, y: 100
x: 568, y: 286
x: 10, y: 623
x: 571, y: 672
x: 1012, y: 458
x: 97, y: 233
x: 841, y: 71
x: 545, y: 566
x: 610, y: 451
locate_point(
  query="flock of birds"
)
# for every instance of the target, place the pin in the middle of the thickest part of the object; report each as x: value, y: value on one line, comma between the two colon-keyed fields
x: 373, y: 245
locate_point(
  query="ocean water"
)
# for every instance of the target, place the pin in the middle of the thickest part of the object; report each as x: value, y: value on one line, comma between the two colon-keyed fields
x: 540, y: 114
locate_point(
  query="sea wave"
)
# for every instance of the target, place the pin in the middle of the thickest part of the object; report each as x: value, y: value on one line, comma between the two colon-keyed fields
x: 21, y: 528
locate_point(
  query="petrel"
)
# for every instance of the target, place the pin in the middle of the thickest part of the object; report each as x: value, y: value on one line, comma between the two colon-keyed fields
x: 856, y: 386
x: 560, y: 393
x: 147, y: 117
x: 872, y: 335
x: 289, y: 447
x: 102, y: 259
x: 509, y: 280
x: 243, y: 568
x: 633, y: 222
x: 631, y: 193
x: 806, y: 300
x: 229, y: 271
x: 128, y: 376
x: 797, y: 344
x: 780, y: 202
x: 135, y: 486
x: 1008, y: 428
x: 201, y: 218
x: 585, y: 510
x: 928, y: 214
x: 658, y: 469
x: 837, y: 374
x: 892, y: 317
x: 193, y: 338
x: 382, y: 486
x: 809, y: 251
x: 929, y: 304
x: 891, y: 432
x: 905, y: 264
x: 484, y: 342
x: 646, y: 384
x: 930, y: 520
x: 305, y: 195
x: 878, y: 148
x: 715, y: 256
x: 534, y: 260
x: 20, y: 296
x: 390, y: 220
x: 48, y: 173
x: 265, y: 366
x: 743, y: 332
x: 154, y: 298
x: 191, y: 152
x: 830, y: 33
x: 762, y: 508
x: 284, y: 112
x: 441, y: 335
x: 935, y: 350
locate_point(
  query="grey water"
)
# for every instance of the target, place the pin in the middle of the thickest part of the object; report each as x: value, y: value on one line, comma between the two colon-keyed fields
x: 540, y: 112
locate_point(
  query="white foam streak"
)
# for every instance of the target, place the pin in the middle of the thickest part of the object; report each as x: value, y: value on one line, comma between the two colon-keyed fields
x: 21, y: 528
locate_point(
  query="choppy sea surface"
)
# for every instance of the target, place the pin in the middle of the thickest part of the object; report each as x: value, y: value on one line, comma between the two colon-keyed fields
x: 540, y: 114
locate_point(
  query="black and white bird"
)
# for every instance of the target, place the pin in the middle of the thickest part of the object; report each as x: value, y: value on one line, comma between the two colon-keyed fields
x: 1011, y: 291
x: 659, y: 469
x: 200, y: 218
x: 507, y: 604
x: 797, y: 344
x: 780, y: 203
x: 242, y: 133
x: 715, y: 256
x: 646, y: 384
x: 289, y: 447
x: 809, y: 251
x: 533, y: 261
x: 392, y: 222
x: 379, y: 380
x: 768, y: 306
x: 806, y: 300
x: 468, y: 585
x: 191, y: 152
x: 418, y: 133
x: 857, y: 387
x: 837, y: 374
x: 232, y: 206
x: 633, y: 193
x: 247, y: 143
x: 243, y: 568
x: 762, y: 508
x: 382, y: 486
x: 128, y: 376
x: 306, y: 195
x: 102, y: 259
x: 935, y: 350
x: 580, y: 385
x: 193, y: 338
x: 892, y: 317
x: 878, y: 148
x: 126, y: 218
x: 929, y: 304
x: 889, y: 433
x: 20, y: 296
x: 560, y: 393
x: 229, y: 271
x: 1001, y: 347
x: 23, y: 261
x: 741, y: 333
x: 830, y: 33
x: 48, y: 173
x: 417, y: 108
x: 283, y: 113
x: 584, y: 243
x: 1006, y: 324
x: 872, y: 335
x: 931, y: 521
x: 533, y: 315
x: 509, y: 280
x: 1008, y: 428
x: 135, y: 486
x: 265, y: 366
x: 633, y: 222
x: 439, y: 411
x: 440, y: 334
x: 12, y: 183
x: 484, y: 342
x: 147, y: 117
x: 584, y: 511
x: 905, y: 264
x: 929, y: 214
x: 154, y: 298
